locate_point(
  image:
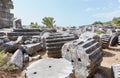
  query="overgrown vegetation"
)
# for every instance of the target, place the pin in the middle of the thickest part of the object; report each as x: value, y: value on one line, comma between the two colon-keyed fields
x: 100, y: 32
x: 34, y: 25
x: 10, y: 67
x: 48, y: 22
x: 97, y: 22
x: 4, y: 58
x: 115, y: 22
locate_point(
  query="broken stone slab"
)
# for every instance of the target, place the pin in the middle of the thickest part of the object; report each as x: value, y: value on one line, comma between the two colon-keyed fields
x: 27, y: 30
x: 10, y: 46
x: 114, y: 39
x: 2, y: 34
x: 18, y: 24
x: 27, y: 42
x: 22, y: 33
x: 32, y: 49
x: 17, y: 59
x: 6, y: 40
x: 25, y: 58
x: 34, y: 58
x: 34, y: 40
x: 87, y: 35
x: 19, y: 40
x: 98, y: 75
x: 119, y: 40
x: 1, y: 41
x: 116, y: 70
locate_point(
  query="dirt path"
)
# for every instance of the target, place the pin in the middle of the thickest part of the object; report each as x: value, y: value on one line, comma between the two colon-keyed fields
x: 111, y: 56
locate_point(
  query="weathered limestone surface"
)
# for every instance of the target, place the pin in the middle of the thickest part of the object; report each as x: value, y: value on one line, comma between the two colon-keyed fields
x: 17, y: 59
x: 85, y: 56
x: 116, y: 71
x: 114, y: 39
x: 12, y: 46
x: 32, y: 49
x: 5, y: 15
x: 18, y: 24
x: 53, y: 42
x: 105, y: 40
x: 119, y: 40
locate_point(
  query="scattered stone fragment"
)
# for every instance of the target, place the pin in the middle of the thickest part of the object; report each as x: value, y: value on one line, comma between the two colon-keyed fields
x: 116, y: 70
x: 17, y: 59
x: 32, y: 49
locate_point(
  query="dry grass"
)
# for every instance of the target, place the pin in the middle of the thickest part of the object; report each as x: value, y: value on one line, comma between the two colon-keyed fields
x: 4, y: 58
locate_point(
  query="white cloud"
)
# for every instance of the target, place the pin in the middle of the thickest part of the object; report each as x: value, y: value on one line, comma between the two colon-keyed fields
x: 92, y: 9
x: 108, y: 15
x: 88, y: 9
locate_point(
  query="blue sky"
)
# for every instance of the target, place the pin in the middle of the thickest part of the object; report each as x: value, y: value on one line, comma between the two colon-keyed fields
x: 66, y: 12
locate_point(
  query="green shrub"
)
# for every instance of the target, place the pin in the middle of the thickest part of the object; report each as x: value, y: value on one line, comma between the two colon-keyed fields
x: 4, y: 57
x: 100, y: 32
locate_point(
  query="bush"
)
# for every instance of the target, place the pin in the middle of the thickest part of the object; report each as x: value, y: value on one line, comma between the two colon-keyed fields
x: 4, y: 57
x: 100, y: 32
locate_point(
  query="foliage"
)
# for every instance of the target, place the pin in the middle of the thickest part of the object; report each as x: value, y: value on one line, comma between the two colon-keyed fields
x: 100, y: 32
x: 97, y: 22
x: 34, y: 25
x: 48, y: 22
x: 116, y: 21
x: 4, y: 57
x: 11, y: 67
x: 108, y: 22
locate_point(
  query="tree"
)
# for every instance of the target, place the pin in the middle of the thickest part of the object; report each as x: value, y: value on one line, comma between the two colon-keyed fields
x: 34, y: 25
x: 97, y: 22
x: 116, y: 21
x: 48, y: 22
x: 108, y: 22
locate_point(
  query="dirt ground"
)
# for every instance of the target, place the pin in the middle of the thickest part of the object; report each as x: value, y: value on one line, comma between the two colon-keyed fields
x: 111, y: 56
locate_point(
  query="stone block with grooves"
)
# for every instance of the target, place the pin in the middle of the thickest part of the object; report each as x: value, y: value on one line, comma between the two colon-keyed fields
x: 53, y: 42
x: 105, y: 40
x: 116, y: 71
x: 114, y: 39
x: 85, y: 56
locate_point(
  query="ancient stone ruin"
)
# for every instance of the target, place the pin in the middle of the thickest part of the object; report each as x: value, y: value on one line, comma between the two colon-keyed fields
x: 53, y: 42
x: 5, y: 15
x: 86, y: 56
x: 81, y: 47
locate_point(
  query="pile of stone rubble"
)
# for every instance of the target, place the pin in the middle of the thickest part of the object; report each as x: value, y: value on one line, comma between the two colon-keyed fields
x: 82, y: 49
